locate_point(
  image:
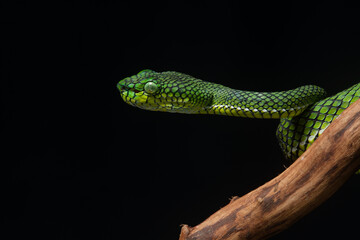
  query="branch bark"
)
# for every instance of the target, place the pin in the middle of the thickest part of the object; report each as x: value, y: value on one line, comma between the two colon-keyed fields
x: 307, y: 183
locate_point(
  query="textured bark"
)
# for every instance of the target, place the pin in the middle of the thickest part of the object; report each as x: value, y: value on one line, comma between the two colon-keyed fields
x: 307, y: 183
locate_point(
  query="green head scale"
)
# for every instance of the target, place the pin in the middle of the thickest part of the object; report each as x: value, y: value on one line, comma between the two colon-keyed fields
x: 166, y: 91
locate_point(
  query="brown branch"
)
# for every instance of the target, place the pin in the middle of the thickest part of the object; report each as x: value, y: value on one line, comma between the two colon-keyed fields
x: 307, y: 183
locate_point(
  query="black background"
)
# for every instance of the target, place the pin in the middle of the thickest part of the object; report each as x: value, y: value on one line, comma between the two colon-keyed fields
x: 81, y: 164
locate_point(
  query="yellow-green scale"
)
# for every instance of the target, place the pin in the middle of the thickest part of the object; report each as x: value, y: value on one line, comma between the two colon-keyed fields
x: 296, y: 134
x: 231, y: 102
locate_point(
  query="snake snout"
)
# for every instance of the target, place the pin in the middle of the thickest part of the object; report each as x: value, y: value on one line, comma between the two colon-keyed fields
x: 125, y: 88
x: 126, y: 85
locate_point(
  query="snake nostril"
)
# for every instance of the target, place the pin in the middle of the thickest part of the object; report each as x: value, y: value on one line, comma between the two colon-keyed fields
x: 121, y: 87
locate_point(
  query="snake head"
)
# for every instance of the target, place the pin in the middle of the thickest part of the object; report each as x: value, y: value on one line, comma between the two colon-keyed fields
x: 165, y: 91
x: 136, y: 90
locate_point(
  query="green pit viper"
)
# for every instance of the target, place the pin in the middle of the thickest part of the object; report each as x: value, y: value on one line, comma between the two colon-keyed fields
x: 304, y: 112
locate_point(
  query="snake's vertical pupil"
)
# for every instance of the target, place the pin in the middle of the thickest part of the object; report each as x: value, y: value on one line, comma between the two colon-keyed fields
x: 150, y: 87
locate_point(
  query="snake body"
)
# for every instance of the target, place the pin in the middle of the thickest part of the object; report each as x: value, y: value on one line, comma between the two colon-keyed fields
x: 304, y: 112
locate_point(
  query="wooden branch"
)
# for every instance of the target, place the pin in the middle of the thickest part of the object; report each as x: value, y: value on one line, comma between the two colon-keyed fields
x: 307, y: 183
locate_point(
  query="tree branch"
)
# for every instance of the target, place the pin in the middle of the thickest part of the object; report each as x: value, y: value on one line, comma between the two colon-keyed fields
x: 307, y: 183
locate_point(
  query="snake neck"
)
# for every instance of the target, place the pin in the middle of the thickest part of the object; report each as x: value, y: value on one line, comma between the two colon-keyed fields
x: 284, y: 104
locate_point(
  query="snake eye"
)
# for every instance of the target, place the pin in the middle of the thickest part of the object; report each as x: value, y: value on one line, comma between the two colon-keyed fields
x: 150, y: 87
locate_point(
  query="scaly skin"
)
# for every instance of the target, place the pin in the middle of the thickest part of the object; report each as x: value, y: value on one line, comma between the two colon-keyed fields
x: 303, y: 115
x: 296, y: 134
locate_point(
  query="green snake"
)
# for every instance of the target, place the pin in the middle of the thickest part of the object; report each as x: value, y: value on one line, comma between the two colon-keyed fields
x: 304, y: 112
